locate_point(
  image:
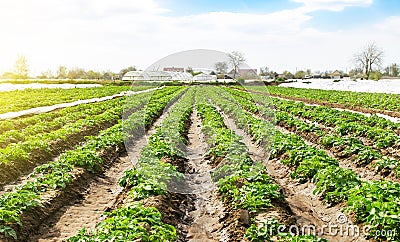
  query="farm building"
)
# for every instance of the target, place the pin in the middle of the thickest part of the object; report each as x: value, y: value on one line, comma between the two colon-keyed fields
x: 205, y: 77
x: 335, y: 75
x: 245, y: 73
x: 133, y: 76
x: 157, y: 76
x: 175, y: 69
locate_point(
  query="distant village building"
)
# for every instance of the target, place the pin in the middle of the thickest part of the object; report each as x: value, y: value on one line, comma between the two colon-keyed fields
x: 245, y: 73
x: 157, y: 76
x: 204, y: 77
x: 176, y: 69
x: 133, y: 76
x: 335, y: 75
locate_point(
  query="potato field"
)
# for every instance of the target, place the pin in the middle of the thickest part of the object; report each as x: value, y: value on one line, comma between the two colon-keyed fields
x: 200, y: 163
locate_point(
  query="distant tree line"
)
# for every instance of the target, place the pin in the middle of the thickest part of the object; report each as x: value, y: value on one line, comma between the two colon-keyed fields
x: 368, y: 65
x: 21, y: 71
x: 63, y: 72
x: 367, y: 62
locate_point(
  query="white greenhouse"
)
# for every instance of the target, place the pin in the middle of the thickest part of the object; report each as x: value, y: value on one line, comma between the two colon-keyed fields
x: 157, y: 76
x: 133, y: 76
x: 205, y: 77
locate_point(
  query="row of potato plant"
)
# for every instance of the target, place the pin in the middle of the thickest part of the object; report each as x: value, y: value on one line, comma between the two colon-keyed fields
x: 31, y: 98
x: 69, y: 116
x: 149, y: 177
x: 56, y: 175
x: 350, y: 99
x: 343, y: 146
x: 242, y: 182
x: 373, y: 202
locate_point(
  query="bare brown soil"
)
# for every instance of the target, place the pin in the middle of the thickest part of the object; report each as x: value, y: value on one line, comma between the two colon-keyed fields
x: 84, y: 200
x: 86, y: 212
x: 54, y: 201
x: 301, y: 207
x: 208, y: 208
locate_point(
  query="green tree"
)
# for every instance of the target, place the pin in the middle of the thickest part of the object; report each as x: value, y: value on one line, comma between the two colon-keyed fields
x: 287, y: 75
x: 93, y: 74
x: 376, y: 75
x: 21, y: 69
x: 125, y: 70
x: 76, y: 73
x: 300, y: 75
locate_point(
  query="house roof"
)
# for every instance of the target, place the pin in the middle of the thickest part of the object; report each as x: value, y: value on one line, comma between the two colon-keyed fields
x: 335, y: 73
x: 242, y: 72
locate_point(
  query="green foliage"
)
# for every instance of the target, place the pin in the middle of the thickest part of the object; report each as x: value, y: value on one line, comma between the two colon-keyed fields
x: 30, y: 98
x: 264, y: 231
x: 270, y: 230
x: 129, y: 224
x: 377, y: 204
x: 300, y: 238
x: 57, y: 174
x: 368, y: 100
x: 151, y: 176
x: 334, y: 183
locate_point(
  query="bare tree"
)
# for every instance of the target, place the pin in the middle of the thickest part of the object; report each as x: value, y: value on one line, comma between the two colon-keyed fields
x: 62, y: 72
x: 264, y: 71
x: 369, y: 57
x: 392, y: 70
x: 47, y: 74
x: 221, y: 67
x: 236, y: 59
x: 21, y: 68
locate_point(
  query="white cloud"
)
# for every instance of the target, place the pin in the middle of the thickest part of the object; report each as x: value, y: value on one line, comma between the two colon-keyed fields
x: 391, y: 23
x: 332, y: 5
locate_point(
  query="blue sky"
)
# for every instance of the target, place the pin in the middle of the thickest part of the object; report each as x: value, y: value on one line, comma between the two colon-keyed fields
x: 354, y: 17
x: 113, y: 34
x: 348, y: 18
x: 179, y: 7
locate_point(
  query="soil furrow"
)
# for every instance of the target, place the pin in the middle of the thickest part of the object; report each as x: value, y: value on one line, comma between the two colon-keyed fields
x: 307, y: 208
x: 101, y: 195
x: 312, y: 139
x: 208, y: 209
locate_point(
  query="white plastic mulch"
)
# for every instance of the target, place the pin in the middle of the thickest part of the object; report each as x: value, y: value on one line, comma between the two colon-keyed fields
x: 382, y: 86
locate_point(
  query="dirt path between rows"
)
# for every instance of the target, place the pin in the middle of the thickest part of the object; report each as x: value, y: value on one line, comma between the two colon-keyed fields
x: 208, y: 209
x: 99, y: 197
x: 306, y: 207
x: 85, y: 213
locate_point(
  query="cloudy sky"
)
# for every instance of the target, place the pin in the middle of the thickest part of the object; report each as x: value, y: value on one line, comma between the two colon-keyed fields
x: 113, y: 34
